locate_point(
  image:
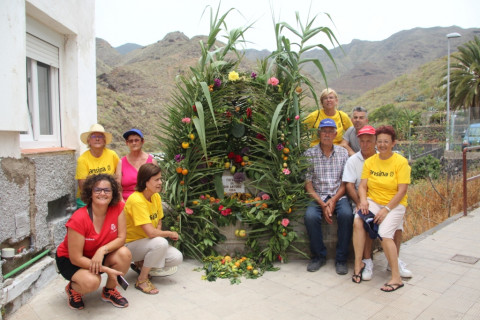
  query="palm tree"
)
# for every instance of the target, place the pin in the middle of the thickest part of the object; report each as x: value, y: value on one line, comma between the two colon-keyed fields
x: 465, y: 78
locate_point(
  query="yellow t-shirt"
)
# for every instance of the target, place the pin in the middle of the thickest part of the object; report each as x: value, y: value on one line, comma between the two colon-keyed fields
x: 88, y: 165
x: 384, y: 176
x: 341, y: 119
x: 140, y: 211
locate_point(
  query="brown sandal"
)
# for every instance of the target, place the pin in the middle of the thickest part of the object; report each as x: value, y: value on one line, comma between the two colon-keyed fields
x: 149, y: 289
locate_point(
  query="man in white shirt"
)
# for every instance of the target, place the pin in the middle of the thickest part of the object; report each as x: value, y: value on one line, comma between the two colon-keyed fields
x: 351, y: 176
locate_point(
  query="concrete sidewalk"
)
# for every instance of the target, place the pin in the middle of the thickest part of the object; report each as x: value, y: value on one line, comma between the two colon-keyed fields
x: 441, y: 288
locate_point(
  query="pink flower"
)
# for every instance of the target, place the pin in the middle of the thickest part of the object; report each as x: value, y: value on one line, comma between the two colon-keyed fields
x: 297, y: 117
x: 265, y: 196
x: 285, y: 222
x: 188, y: 210
x: 286, y: 171
x: 273, y: 81
x: 186, y: 120
x: 220, y: 208
x: 202, y: 197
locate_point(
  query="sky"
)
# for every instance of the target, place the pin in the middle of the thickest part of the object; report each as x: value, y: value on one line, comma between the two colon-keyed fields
x: 147, y: 21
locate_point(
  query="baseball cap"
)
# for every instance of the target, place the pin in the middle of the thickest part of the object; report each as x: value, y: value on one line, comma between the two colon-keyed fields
x: 370, y: 226
x: 327, y: 123
x: 132, y: 131
x: 366, y: 130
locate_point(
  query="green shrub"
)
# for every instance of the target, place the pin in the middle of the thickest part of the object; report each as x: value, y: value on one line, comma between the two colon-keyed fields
x: 424, y: 167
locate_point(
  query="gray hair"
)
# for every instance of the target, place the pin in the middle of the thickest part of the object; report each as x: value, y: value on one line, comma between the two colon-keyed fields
x: 360, y: 109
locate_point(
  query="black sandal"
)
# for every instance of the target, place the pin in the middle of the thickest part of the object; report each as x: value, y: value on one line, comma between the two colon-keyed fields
x: 357, y: 278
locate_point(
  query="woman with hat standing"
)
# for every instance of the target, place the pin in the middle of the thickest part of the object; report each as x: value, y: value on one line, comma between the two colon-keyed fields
x: 127, y: 169
x: 98, y: 159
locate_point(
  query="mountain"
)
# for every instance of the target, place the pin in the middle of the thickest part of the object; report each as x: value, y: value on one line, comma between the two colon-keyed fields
x: 134, y: 88
x: 127, y: 47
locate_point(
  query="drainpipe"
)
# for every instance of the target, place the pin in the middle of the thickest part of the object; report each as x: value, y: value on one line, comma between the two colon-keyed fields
x: 26, y: 264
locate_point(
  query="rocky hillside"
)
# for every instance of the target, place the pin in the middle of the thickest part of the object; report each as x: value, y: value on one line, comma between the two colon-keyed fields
x: 133, y: 89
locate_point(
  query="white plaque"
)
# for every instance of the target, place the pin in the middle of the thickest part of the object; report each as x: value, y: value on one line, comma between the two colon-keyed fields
x: 230, y: 186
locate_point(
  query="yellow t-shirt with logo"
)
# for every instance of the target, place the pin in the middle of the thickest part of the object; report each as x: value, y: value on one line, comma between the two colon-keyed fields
x: 342, y: 120
x: 88, y: 165
x: 140, y: 211
x: 384, y: 176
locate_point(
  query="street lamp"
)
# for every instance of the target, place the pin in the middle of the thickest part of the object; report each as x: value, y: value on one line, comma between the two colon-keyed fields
x: 449, y: 36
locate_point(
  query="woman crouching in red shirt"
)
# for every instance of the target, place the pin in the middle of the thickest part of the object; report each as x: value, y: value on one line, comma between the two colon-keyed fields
x: 94, y: 243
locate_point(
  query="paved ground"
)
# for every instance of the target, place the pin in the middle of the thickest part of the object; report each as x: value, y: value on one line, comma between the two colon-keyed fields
x: 440, y: 289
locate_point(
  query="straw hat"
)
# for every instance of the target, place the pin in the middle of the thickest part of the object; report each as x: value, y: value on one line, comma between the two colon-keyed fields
x: 96, y: 128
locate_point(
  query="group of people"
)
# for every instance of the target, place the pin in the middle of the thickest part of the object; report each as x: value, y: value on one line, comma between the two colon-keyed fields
x: 118, y: 221
x: 354, y: 165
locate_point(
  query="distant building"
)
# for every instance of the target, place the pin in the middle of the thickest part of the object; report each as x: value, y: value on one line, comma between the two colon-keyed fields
x: 48, y: 92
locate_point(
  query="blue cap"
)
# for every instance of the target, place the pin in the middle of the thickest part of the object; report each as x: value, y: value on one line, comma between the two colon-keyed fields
x: 132, y: 131
x: 327, y: 122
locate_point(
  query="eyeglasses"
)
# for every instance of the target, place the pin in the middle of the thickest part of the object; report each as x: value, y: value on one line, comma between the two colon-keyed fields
x: 99, y: 190
x: 328, y: 132
x: 99, y: 136
x: 134, y: 140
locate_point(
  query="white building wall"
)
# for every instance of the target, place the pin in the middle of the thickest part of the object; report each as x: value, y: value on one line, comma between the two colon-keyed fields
x: 72, y: 19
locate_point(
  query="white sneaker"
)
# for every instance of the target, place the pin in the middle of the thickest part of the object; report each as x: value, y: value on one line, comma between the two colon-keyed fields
x: 163, y: 272
x: 368, y: 271
x: 402, y: 267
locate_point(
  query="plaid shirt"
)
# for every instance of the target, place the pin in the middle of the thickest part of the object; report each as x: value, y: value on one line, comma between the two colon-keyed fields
x: 325, y: 173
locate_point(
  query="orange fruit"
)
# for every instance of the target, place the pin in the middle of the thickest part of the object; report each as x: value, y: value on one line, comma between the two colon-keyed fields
x: 182, y: 182
x: 289, y: 210
x: 237, y: 264
x: 284, y: 234
x: 185, y: 145
x: 227, y: 165
x: 249, y: 267
x: 185, y: 172
x: 286, y: 150
x: 285, y: 158
x: 179, y: 169
x: 192, y: 136
x: 264, y: 205
x: 195, y: 202
x: 243, y: 163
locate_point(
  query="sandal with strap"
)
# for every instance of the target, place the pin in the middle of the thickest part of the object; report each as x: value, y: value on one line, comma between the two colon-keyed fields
x: 149, y: 289
x: 134, y: 267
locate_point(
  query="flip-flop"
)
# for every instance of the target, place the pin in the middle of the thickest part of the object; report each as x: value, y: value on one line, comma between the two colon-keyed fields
x: 397, y: 286
x: 358, y: 276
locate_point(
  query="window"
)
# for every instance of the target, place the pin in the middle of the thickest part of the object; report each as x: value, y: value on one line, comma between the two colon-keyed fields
x: 42, y: 95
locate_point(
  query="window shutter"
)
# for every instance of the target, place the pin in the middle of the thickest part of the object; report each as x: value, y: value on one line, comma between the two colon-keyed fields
x: 42, y: 51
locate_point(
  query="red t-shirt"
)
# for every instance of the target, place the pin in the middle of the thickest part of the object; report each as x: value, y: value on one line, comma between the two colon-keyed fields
x: 80, y: 221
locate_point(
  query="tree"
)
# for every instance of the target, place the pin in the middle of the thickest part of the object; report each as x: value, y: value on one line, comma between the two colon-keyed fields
x: 465, y: 78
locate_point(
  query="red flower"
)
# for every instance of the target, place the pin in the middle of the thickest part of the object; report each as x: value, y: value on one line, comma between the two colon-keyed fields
x: 228, y: 114
x: 194, y: 108
x: 238, y: 158
x: 220, y: 208
x: 259, y: 136
x: 231, y: 155
x: 249, y: 112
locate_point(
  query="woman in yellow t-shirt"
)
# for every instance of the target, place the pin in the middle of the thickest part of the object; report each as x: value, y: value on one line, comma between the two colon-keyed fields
x: 383, y: 191
x: 329, y: 101
x: 151, y: 253
x: 98, y: 159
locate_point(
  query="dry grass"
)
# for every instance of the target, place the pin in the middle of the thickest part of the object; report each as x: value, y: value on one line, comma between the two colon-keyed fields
x: 428, y: 203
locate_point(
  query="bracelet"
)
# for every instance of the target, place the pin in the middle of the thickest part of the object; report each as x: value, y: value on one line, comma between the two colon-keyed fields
x: 388, y: 209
